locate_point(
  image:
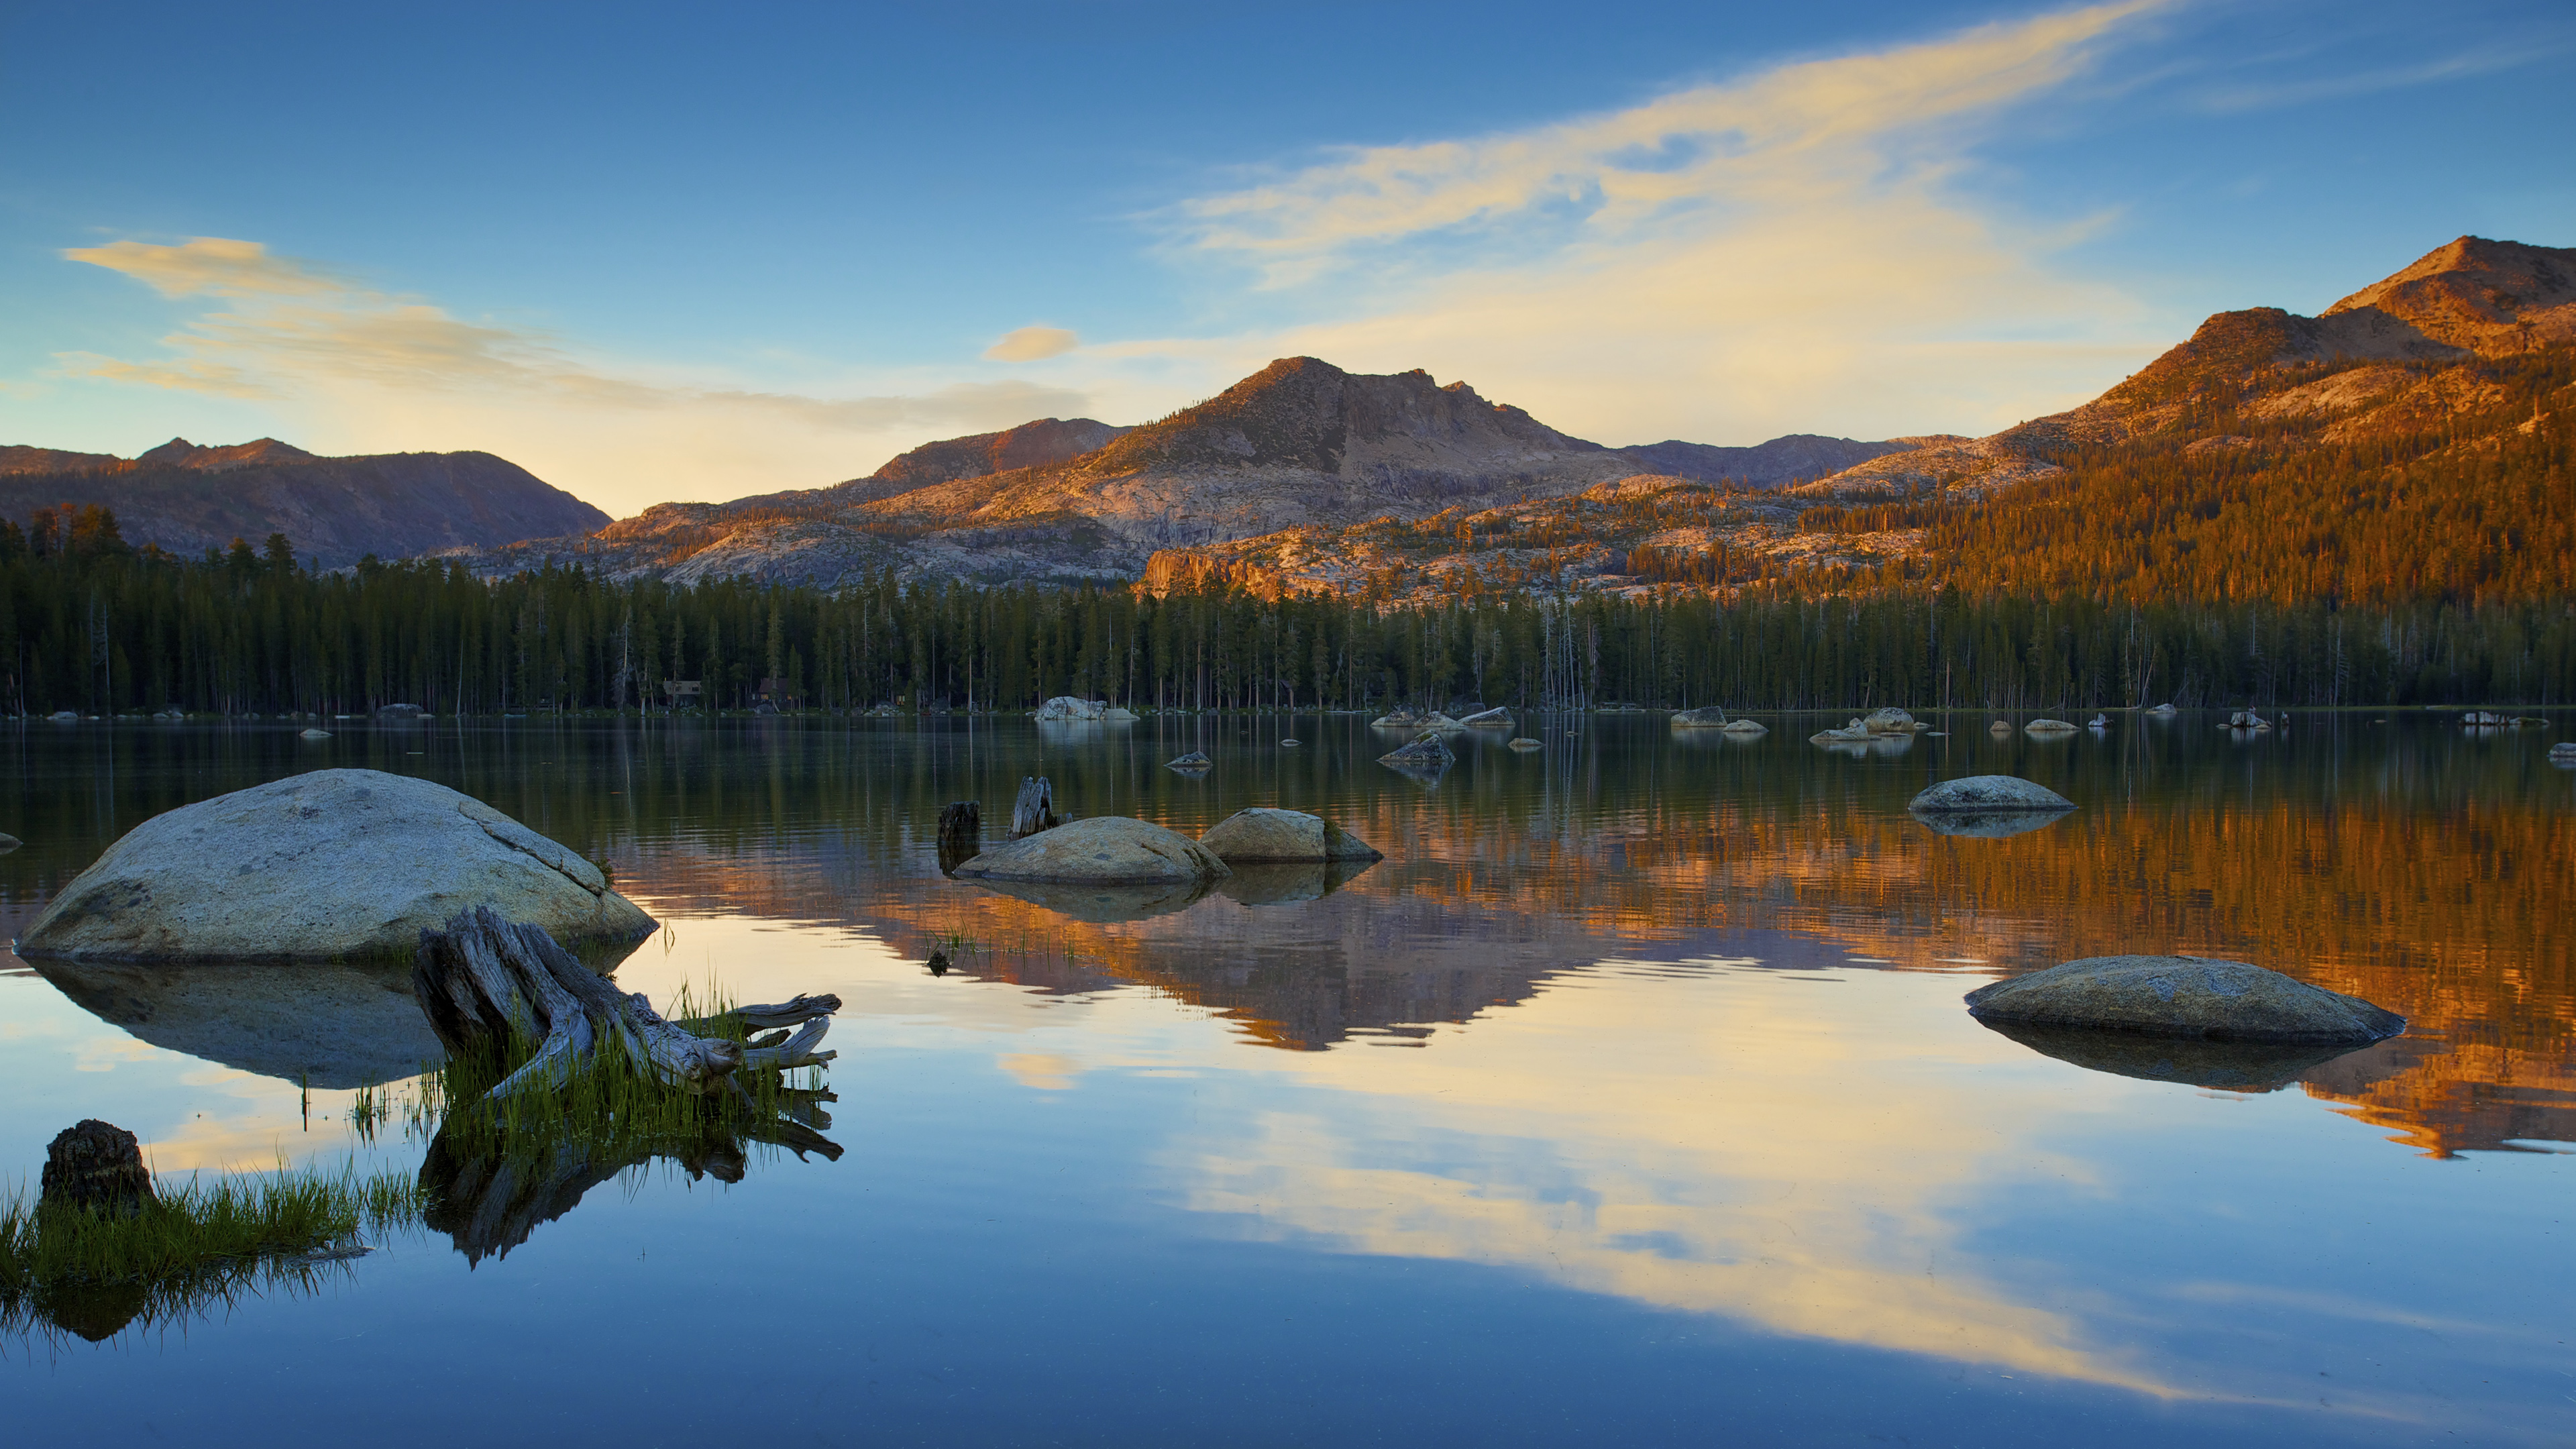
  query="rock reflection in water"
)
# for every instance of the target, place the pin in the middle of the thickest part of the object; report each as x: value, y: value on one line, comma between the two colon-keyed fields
x: 490, y: 1188
x: 1987, y: 824
x: 2228, y: 1066
x: 1286, y: 883
x: 332, y: 1027
x: 1102, y: 905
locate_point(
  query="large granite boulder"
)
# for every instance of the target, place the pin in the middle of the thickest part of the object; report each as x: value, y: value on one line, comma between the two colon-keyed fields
x: 2049, y: 727
x: 1892, y: 721
x: 1101, y: 850
x: 2183, y: 996
x: 1265, y: 834
x: 334, y: 865
x: 1989, y: 795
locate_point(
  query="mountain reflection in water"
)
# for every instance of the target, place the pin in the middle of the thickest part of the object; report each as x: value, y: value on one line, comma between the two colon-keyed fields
x: 1679, y: 1030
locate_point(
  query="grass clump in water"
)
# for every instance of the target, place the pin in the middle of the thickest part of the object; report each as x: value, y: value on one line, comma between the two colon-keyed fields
x: 201, y: 1243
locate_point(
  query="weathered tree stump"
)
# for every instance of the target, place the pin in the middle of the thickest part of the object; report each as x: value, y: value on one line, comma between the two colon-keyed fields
x: 1035, y: 809
x: 484, y: 981
x: 97, y: 1167
x: 961, y: 834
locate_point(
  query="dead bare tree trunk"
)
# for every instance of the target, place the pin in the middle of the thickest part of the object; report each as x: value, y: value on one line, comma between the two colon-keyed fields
x: 484, y: 980
x: 1035, y: 809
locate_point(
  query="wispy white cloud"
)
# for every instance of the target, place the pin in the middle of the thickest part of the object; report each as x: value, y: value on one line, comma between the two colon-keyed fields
x: 1798, y: 249
x: 1033, y: 344
x: 296, y: 334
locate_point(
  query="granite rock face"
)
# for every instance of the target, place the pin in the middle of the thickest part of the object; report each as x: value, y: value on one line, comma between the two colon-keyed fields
x: 2183, y: 996
x: 1264, y: 834
x: 334, y: 865
x: 1100, y: 850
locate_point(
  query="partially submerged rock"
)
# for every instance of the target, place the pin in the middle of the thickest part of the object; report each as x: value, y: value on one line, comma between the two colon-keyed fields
x: 2000, y: 728
x: 1746, y: 727
x: 97, y: 1167
x: 327, y: 866
x: 1191, y: 763
x: 1707, y: 717
x: 2562, y: 753
x: 1989, y: 794
x: 1101, y: 850
x: 314, y: 734
x: 1892, y: 721
x: 1854, y: 733
x: 1401, y: 719
x: 9, y: 843
x: 1490, y: 719
x: 2160, y: 709
x: 1425, y: 752
x: 1522, y: 742
x: 1273, y: 836
x: 2049, y: 727
x: 2184, y: 996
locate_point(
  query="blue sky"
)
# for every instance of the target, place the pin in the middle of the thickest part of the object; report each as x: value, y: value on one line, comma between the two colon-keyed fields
x: 688, y: 252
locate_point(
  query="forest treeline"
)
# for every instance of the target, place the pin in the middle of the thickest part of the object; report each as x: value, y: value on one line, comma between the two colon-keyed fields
x: 92, y: 624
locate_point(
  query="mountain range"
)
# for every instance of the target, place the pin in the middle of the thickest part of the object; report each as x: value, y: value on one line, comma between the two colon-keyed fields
x: 188, y: 498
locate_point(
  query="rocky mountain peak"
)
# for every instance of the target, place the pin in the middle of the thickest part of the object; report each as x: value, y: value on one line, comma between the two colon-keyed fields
x: 1303, y: 412
x: 978, y: 455
x: 180, y: 453
x: 2496, y: 298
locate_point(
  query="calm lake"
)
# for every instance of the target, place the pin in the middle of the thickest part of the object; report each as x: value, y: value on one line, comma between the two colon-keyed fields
x: 1629, y: 1099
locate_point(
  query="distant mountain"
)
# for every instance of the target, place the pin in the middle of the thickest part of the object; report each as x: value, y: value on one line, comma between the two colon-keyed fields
x: 2405, y: 445
x: 1300, y: 442
x: 1792, y: 459
x: 979, y: 455
x: 188, y: 498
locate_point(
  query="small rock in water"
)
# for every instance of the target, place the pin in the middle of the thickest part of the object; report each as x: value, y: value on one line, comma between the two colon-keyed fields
x: 2048, y: 727
x: 9, y: 843
x: 2000, y: 727
x: 315, y: 735
x: 1290, y: 744
x: 1191, y: 761
x: 97, y: 1167
x: 2184, y: 996
x: 1426, y: 752
x: 1523, y: 743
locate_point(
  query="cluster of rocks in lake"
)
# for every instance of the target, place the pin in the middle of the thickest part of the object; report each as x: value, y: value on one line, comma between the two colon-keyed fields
x: 1118, y: 868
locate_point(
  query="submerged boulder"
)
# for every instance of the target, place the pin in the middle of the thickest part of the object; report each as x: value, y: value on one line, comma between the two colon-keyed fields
x: 1892, y: 721
x: 1426, y: 752
x: 1265, y: 834
x: 1191, y: 763
x: 327, y: 866
x: 1988, y: 794
x: 1522, y: 742
x: 2183, y: 996
x: 1101, y: 850
x: 2049, y: 727
x: 1746, y: 727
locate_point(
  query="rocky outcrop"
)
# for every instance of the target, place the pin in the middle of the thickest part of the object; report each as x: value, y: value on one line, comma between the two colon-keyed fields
x: 328, y: 866
x: 2183, y: 996
x: 1100, y: 850
x: 1988, y: 794
x: 1264, y: 835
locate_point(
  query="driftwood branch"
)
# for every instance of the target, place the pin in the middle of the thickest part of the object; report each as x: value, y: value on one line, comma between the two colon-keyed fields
x: 484, y: 982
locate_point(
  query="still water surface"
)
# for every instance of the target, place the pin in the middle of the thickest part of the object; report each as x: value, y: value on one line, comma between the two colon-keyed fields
x: 1628, y: 1100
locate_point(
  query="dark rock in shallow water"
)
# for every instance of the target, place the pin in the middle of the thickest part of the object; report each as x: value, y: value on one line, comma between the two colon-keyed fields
x: 1191, y: 762
x: 1427, y: 754
x: 2184, y: 996
x: 2235, y: 1066
x: 97, y: 1167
